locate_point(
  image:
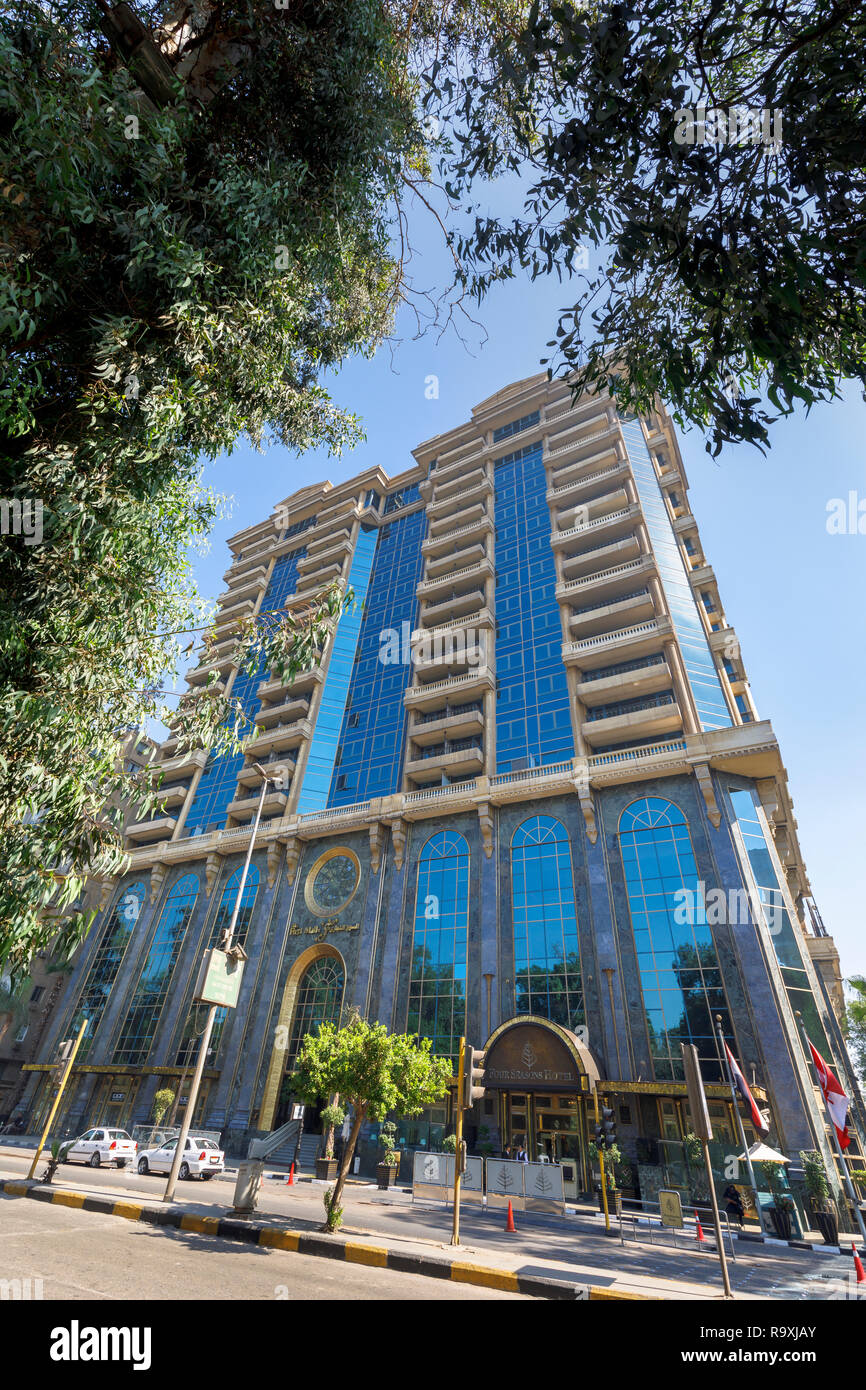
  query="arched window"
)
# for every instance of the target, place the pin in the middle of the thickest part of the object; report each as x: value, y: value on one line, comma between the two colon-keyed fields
x: 320, y: 1000
x: 679, y: 969
x: 150, y: 993
x: 437, y: 982
x: 197, y: 1013
x: 546, y: 952
x: 106, y: 962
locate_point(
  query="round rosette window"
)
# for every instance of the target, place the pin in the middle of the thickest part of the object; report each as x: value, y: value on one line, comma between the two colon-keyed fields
x: 332, y: 882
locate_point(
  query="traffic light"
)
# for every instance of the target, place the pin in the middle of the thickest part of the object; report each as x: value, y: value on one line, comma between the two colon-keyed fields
x: 608, y: 1126
x: 64, y: 1052
x: 599, y: 1137
x: 473, y: 1076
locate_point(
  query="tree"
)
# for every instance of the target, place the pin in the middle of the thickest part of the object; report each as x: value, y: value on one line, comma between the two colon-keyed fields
x: 375, y: 1072
x: 855, y: 1024
x: 197, y: 225
x: 162, y: 1102
x: 718, y: 265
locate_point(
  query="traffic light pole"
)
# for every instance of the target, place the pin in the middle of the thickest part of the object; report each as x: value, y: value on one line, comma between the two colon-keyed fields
x: 600, y: 1146
x: 458, y: 1153
x: 67, y: 1071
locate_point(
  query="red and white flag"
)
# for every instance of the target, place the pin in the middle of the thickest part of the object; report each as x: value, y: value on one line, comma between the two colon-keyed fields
x: 742, y: 1086
x: 834, y: 1097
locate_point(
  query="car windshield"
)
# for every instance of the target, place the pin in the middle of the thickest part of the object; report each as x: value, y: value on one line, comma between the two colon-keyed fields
x: 205, y: 1144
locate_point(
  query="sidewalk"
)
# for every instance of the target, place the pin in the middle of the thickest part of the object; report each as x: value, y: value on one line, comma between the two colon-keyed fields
x: 551, y: 1257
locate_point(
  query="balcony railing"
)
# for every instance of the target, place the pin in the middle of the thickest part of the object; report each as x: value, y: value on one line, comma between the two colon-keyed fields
x: 666, y: 697
x: 607, y: 602
x: 457, y: 745
x: 450, y: 712
x: 621, y: 668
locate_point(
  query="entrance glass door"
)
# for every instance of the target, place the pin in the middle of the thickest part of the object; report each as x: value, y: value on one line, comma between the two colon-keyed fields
x: 559, y: 1129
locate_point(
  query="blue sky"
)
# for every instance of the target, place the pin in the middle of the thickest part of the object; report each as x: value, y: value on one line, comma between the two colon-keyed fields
x: 792, y: 590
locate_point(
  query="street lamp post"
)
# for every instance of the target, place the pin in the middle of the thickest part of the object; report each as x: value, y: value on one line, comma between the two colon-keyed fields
x: 204, y: 1046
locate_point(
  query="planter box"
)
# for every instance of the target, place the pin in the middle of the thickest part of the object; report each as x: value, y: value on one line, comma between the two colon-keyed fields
x: 828, y: 1225
x: 386, y: 1176
x: 326, y: 1168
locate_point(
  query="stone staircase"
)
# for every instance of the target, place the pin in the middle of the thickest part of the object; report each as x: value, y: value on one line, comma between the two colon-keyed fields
x: 306, y: 1158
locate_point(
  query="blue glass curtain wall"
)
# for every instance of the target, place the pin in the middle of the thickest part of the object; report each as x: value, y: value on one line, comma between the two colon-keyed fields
x: 547, y: 975
x: 195, y: 1014
x: 533, y: 723
x: 679, y: 969
x: 437, y: 982
x: 777, y: 918
x: 697, y: 658
x: 151, y: 991
x: 106, y: 962
x: 216, y: 789
x: 326, y: 735
x: 373, y: 735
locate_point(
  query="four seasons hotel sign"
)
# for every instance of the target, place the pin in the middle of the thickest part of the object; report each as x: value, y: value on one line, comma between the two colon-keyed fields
x: 536, y: 1057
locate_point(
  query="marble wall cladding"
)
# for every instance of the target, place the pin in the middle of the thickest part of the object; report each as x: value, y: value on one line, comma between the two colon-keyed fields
x: 373, y: 935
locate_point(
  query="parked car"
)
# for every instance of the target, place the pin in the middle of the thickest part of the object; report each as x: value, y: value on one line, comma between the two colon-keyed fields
x: 202, y: 1158
x: 97, y: 1146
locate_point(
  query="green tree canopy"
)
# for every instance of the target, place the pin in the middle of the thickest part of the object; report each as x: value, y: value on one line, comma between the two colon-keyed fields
x: 720, y: 274
x: 376, y: 1072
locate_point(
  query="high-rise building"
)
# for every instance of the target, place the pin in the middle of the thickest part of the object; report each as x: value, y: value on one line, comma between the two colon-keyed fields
x: 525, y: 797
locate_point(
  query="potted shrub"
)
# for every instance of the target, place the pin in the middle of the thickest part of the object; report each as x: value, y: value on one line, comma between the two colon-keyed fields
x: 57, y: 1155
x: 783, y: 1204
x: 389, y: 1163
x: 449, y: 1144
x: 332, y: 1119
x: 485, y: 1147
x: 820, y: 1196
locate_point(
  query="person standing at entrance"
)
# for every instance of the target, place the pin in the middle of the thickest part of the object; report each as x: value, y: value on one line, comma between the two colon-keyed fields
x: 522, y: 1155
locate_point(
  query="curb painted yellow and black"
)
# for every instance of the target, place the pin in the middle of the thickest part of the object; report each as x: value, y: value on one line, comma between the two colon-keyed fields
x: 331, y: 1247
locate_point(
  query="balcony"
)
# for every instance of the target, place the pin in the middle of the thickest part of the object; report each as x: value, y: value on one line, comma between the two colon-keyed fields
x: 461, y: 720
x: 452, y: 607
x: 173, y: 795
x: 184, y: 765
x: 465, y: 757
x: 446, y: 652
x: 319, y: 544
x: 581, y: 483
x: 466, y: 578
x: 613, y: 580
x: 148, y: 831
x: 448, y: 489
x: 249, y: 579
x: 473, y: 515
x: 330, y: 554
x: 296, y: 708
x: 592, y: 509
x: 642, y: 639
x: 455, y: 560
x: 599, y: 557
x: 581, y: 446
x: 607, y: 613
x: 277, y: 687
x: 276, y: 764
x: 221, y: 664
x: 613, y: 525
x: 232, y: 615
x: 274, y: 804
x: 429, y: 697
x: 627, y: 679
x: 280, y: 736
x: 436, y: 545
x: 643, y: 717
x: 321, y: 577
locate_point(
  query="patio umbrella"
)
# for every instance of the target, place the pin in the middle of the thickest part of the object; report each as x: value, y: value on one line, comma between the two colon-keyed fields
x: 762, y: 1153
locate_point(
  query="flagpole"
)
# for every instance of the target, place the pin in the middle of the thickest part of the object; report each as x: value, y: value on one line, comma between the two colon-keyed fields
x: 846, y: 1177
x: 739, y: 1119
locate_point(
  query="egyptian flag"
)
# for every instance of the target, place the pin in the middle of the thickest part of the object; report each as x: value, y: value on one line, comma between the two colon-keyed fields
x: 742, y: 1086
x: 834, y: 1098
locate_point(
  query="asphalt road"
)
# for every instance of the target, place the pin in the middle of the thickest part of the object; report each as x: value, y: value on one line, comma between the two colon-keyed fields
x: 84, y: 1255
x: 577, y: 1249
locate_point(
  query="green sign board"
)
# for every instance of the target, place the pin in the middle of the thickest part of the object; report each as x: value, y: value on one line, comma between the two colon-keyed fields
x: 219, y: 979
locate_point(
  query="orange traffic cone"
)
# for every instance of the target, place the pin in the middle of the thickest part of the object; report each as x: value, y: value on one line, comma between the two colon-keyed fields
x: 858, y: 1265
x: 509, y: 1225
x: 291, y: 1178
x: 699, y: 1230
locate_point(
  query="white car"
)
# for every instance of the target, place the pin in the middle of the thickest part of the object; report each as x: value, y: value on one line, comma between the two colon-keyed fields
x: 202, y: 1158
x: 98, y: 1146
